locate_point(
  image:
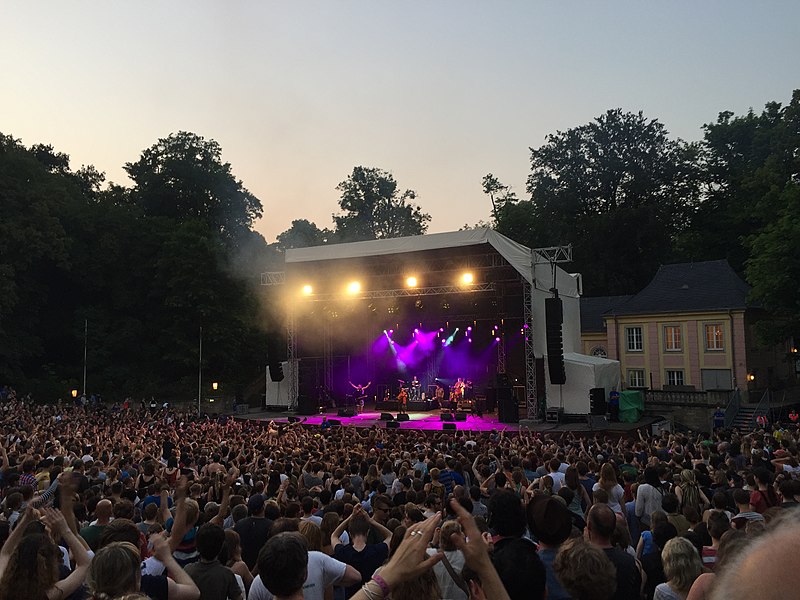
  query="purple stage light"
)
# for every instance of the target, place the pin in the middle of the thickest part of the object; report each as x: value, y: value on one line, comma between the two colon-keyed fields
x: 469, y: 328
x: 470, y: 340
x: 525, y: 326
x: 497, y: 339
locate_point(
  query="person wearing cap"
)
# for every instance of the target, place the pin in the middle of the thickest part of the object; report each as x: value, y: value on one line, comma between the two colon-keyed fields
x: 550, y: 522
x: 253, y: 530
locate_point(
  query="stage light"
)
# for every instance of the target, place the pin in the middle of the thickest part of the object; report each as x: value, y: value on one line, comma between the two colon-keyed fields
x: 497, y: 339
x: 470, y: 340
x: 353, y: 287
x: 467, y: 278
x: 416, y: 331
x: 307, y: 290
x: 751, y: 377
x: 215, y: 386
x: 391, y: 331
x: 411, y: 282
x: 74, y: 393
x: 441, y: 329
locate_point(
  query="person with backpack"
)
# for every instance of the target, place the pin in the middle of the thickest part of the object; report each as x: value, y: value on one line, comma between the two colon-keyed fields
x: 764, y: 496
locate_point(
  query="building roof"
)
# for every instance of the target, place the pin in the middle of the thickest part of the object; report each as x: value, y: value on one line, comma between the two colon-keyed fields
x: 689, y: 287
x: 593, y: 311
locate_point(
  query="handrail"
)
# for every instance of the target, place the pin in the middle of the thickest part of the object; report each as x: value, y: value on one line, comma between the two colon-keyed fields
x: 762, y: 409
x: 732, y: 408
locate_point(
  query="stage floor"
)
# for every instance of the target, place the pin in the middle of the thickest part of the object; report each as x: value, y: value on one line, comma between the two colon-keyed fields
x: 431, y: 421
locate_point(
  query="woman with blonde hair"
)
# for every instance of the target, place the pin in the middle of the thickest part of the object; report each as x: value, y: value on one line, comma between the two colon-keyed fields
x: 313, y: 535
x: 115, y: 571
x: 608, y: 483
x: 682, y: 565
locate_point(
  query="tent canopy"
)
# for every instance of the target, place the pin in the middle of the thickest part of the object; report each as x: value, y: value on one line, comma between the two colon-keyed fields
x: 583, y: 373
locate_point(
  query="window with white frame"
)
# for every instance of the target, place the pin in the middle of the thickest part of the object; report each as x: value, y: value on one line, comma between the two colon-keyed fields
x: 636, y: 378
x: 672, y: 338
x: 633, y: 335
x: 715, y: 339
x: 674, y: 377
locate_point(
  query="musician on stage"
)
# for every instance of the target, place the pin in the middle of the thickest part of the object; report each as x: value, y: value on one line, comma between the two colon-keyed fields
x: 415, y: 389
x: 402, y: 399
x: 362, y: 394
x: 439, y: 396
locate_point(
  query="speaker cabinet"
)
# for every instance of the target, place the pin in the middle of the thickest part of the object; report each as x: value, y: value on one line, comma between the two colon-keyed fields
x: 460, y: 416
x: 446, y: 417
x: 387, y: 416
x: 448, y: 426
x: 306, y: 405
x: 392, y: 425
x: 597, y: 401
x: 403, y: 417
x: 553, y: 317
x: 507, y: 409
x: 335, y: 422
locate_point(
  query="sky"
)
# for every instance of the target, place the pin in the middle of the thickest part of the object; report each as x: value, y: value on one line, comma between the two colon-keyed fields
x: 438, y: 93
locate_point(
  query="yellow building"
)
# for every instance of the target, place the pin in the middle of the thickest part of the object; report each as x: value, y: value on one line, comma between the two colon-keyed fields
x: 690, y: 329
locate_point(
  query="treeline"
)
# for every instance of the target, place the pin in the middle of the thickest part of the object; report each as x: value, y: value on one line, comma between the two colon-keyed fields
x: 150, y: 264
x: 629, y: 198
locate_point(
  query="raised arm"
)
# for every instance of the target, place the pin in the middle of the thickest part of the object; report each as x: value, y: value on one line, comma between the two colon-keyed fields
x: 58, y: 526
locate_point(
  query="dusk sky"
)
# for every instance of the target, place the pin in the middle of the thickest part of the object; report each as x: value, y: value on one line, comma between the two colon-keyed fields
x: 439, y: 93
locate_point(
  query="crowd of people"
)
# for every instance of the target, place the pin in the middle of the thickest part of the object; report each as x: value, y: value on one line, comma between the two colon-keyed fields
x: 130, y: 503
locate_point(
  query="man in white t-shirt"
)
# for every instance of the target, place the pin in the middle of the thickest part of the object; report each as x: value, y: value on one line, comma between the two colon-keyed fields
x: 323, y: 570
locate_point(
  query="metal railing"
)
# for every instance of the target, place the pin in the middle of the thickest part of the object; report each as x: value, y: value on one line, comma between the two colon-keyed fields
x: 732, y: 407
x: 762, y: 408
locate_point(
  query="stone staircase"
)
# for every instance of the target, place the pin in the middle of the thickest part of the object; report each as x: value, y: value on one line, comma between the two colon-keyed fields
x: 745, y: 420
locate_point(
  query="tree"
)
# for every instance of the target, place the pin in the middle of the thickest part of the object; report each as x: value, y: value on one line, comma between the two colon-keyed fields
x: 748, y: 161
x: 182, y: 177
x: 374, y: 209
x: 302, y: 234
x: 773, y: 270
x: 499, y: 194
x: 618, y: 189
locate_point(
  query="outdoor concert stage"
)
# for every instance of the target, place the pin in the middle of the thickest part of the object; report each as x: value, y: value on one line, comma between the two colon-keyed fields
x: 431, y: 421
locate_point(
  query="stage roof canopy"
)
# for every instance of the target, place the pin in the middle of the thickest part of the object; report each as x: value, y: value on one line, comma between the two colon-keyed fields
x: 516, y: 255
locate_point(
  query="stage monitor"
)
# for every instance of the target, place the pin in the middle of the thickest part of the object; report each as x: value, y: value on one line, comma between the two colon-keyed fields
x: 392, y: 425
x: 448, y: 426
x: 387, y: 416
x: 403, y: 417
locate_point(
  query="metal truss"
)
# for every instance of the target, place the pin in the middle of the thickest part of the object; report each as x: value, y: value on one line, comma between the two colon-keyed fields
x: 501, y: 354
x: 327, y: 359
x: 552, y: 254
x: 273, y: 278
x: 407, y: 292
x: 291, y: 357
x: 531, y: 403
